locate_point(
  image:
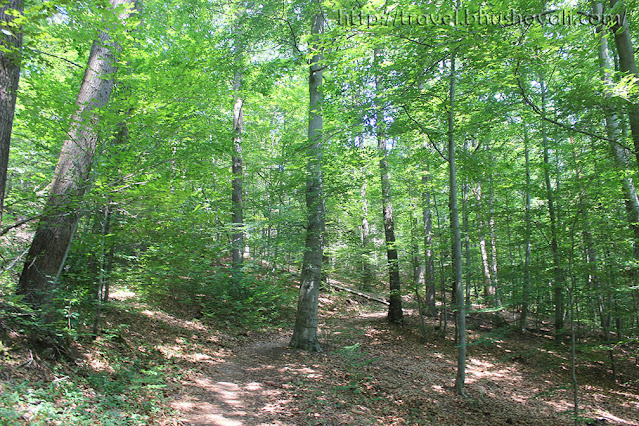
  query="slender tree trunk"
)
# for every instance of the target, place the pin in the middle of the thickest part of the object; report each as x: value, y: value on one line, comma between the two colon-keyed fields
x: 395, y: 313
x: 443, y: 318
x: 105, y: 223
x: 418, y: 264
x: 489, y: 288
x: 526, y: 295
x: 305, y: 332
x: 10, y: 61
x: 367, y: 274
x: 558, y: 280
x: 465, y: 224
x: 493, y: 242
x: 429, y: 263
x: 236, y: 199
x: 71, y: 180
x: 456, y: 239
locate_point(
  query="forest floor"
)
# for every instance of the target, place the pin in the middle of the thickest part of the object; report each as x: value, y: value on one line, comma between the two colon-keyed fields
x: 370, y: 372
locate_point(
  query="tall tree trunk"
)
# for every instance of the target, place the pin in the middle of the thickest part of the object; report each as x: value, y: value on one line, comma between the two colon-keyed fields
x: 395, y: 313
x: 456, y: 239
x: 429, y: 258
x: 418, y: 264
x: 526, y: 290
x: 305, y: 332
x: 105, y: 227
x: 619, y: 153
x: 367, y: 273
x: 558, y: 275
x: 10, y: 61
x: 236, y: 198
x: 53, y: 236
x: 614, y: 134
x: 489, y: 288
x: 493, y: 241
x: 627, y: 64
x: 465, y: 225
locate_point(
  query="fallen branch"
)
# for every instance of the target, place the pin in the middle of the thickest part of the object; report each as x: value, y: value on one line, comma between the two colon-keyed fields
x: 359, y: 293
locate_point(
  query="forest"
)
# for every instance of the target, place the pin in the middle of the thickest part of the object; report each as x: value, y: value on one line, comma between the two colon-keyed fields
x: 327, y: 212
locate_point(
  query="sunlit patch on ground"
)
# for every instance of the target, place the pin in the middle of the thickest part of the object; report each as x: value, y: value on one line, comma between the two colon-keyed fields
x: 370, y: 372
x: 122, y: 294
x: 613, y: 419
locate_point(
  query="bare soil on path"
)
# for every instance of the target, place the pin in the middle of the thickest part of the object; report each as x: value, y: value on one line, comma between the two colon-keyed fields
x: 374, y: 373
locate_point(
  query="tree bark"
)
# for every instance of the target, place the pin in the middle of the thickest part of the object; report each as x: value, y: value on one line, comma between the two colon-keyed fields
x: 627, y: 64
x: 236, y: 198
x: 10, y: 62
x: 367, y: 273
x: 558, y: 294
x: 621, y: 159
x: 613, y: 133
x: 71, y: 180
x: 395, y: 313
x: 465, y: 225
x: 526, y: 290
x: 305, y: 332
x: 429, y: 258
x: 493, y: 242
x: 456, y: 239
x: 489, y: 288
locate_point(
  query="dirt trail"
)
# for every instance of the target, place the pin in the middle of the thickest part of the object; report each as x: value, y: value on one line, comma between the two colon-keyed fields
x: 252, y: 385
x: 375, y: 373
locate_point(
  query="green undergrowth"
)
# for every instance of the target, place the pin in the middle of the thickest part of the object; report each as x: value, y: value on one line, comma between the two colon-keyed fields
x: 246, y: 299
x: 111, y: 383
x: 128, y: 392
x: 126, y: 397
x: 124, y: 378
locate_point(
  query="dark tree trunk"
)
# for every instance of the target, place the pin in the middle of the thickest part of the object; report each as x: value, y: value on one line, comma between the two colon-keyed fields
x: 558, y: 276
x: 10, y: 61
x: 71, y: 180
x: 395, y: 312
x: 456, y: 240
x: 465, y: 225
x: 305, y: 333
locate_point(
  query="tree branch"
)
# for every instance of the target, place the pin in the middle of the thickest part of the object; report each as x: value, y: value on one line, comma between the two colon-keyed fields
x: 18, y: 224
x: 538, y: 111
x: 424, y: 132
x: 55, y: 56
